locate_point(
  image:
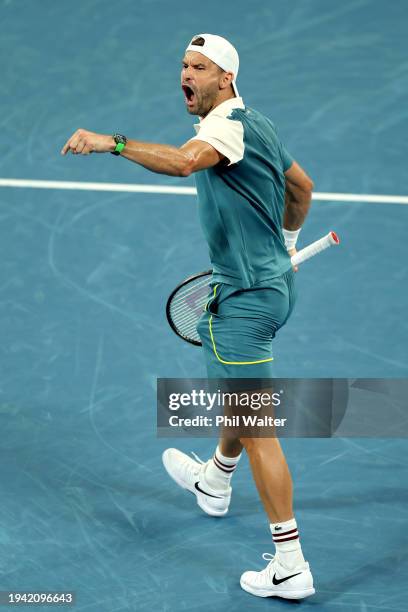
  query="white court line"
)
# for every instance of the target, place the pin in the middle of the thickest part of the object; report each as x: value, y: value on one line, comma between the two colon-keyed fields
x: 173, y: 190
x: 125, y: 187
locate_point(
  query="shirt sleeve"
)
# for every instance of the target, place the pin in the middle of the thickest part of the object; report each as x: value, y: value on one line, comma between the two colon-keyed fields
x: 287, y: 159
x: 225, y: 135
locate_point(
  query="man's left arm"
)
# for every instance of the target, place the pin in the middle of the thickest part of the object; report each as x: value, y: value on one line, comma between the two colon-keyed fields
x: 193, y: 156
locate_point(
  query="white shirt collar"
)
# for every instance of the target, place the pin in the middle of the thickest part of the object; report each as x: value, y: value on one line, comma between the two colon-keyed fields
x: 222, y: 110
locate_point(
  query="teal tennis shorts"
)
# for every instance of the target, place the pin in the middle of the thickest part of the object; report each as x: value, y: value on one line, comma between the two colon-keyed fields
x: 238, y: 326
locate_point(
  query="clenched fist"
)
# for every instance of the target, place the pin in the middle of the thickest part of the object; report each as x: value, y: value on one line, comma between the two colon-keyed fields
x: 83, y: 142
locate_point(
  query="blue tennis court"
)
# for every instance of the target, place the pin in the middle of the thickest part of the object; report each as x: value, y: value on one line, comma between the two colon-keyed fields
x: 85, y: 502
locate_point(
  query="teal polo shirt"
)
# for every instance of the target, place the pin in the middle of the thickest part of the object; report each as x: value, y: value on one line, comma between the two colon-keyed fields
x: 241, y: 199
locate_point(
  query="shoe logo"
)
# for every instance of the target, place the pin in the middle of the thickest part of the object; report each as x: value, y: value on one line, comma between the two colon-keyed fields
x: 197, y: 486
x: 276, y: 580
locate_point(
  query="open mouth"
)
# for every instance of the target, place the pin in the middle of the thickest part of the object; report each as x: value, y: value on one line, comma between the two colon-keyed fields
x: 189, y: 95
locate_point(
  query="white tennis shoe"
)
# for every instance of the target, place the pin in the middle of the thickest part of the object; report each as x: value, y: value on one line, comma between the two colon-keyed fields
x: 276, y: 580
x: 190, y: 474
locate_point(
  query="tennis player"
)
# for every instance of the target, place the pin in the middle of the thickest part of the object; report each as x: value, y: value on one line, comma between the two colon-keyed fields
x: 253, y: 199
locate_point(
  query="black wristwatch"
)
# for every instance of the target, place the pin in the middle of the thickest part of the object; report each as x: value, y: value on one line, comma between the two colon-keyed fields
x: 120, y: 143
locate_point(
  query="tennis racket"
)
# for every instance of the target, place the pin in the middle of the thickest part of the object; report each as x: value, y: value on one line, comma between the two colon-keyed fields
x: 187, y: 301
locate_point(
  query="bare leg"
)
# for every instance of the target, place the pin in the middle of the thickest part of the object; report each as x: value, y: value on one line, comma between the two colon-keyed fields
x: 270, y: 472
x: 230, y: 447
x: 269, y: 468
x: 272, y: 477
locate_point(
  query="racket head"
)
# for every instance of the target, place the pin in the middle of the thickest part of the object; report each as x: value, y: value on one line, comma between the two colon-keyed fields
x: 186, y: 304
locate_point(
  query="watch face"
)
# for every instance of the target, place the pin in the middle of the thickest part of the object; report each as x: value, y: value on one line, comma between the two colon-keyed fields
x: 119, y: 138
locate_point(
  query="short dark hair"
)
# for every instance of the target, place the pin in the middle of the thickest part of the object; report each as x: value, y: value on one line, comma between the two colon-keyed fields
x: 199, y: 41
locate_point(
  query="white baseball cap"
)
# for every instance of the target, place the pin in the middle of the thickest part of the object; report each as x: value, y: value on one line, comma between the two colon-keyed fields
x: 220, y: 51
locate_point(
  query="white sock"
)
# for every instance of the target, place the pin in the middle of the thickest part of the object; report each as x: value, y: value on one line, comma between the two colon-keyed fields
x: 220, y: 469
x: 286, y: 539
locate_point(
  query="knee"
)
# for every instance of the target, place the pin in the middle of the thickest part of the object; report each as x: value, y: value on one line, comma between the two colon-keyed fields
x: 259, y: 447
x: 252, y: 446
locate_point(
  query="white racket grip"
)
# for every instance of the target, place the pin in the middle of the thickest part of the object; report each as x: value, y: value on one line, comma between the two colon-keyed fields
x: 314, y: 248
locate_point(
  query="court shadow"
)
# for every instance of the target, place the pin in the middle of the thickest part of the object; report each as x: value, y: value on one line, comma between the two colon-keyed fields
x: 384, y: 567
x: 383, y: 494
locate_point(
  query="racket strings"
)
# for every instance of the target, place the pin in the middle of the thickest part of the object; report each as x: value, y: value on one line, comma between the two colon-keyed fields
x: 187, y: 315
x: 187, y: 328
x: 193, y: 283
x: 187, y: 312
x: 176, y: 310
x: 195, y: 296
x: 187, y: 305
x: 182, y: 295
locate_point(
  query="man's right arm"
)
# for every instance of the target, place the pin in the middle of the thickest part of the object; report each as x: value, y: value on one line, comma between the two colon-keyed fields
x: 298, y: 196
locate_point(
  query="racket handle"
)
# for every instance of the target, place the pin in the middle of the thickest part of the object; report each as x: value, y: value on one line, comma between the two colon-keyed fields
x: 314, y: 248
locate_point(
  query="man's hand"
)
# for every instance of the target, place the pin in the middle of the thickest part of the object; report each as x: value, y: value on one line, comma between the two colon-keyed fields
x: 291, y: 253
x: 84, y: 143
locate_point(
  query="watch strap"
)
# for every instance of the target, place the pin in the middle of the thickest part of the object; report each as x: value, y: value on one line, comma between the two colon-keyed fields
x: 120, y: 143
x: 119, y: 148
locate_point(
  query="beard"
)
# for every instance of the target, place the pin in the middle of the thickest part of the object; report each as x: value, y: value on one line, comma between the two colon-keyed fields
x: 204, y: 102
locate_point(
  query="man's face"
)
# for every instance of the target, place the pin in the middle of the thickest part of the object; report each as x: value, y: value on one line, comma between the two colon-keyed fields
x: 200, y: 81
